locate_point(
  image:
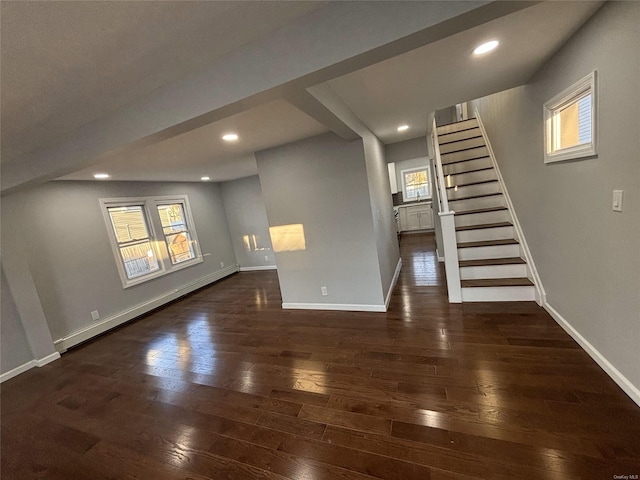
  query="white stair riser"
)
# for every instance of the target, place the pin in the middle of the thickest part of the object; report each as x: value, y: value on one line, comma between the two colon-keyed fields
x: 482, y: 218
x: 473, y: 190
x: 464, y: 155
x: 456, y: 127
x: 475, y: 203
x: 462, y: 145
x: 517, y: 270
x: 481, y: 176
x: 453, y: 137
x: 491, y: 251
x: 499, y: 294
x: 463, y: 167
x: 484, y: 234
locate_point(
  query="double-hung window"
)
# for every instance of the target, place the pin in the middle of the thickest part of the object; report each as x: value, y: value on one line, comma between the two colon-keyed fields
x: 133, y: 240
x: 150, y: 236
x: 570, y: 122
x: 176, y: 232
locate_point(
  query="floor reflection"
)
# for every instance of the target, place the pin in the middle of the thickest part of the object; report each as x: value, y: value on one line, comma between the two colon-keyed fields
x: 192, y: 350
x: 420, y: 262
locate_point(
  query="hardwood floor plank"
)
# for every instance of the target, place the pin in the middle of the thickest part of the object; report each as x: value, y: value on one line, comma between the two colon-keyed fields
x: 296, y: 426
x: 224, y: 384
x: 427, y: 454
x: 356, y: 421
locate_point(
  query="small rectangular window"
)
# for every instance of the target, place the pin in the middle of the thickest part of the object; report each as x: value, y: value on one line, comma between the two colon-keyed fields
x: 570, y: 122
x: 140, y: 253
x: 415, y: 184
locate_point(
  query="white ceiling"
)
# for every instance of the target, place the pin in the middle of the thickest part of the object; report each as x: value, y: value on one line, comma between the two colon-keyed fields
x: 65, y: 64
x: 404, y: 89
x: 202, y: 152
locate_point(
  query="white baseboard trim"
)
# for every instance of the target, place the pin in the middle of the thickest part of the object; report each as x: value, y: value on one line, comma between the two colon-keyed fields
x: 393, y: 284
x: 345, y: 307
x: 255, y: 269
x: 40, y: 362
x: 17, y: 371
x: 79, y: 336
x: 622, y: 381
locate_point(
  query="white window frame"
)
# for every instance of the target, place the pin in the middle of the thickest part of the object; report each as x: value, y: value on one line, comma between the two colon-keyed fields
x: 158, y: 240
x: 405, y: 198
x: 585, y: 85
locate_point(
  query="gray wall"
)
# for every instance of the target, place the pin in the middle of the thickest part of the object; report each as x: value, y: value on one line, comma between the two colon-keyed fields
x: 587, y: 255
x: 384, y: 225
x: 446, y: 115
x: 70, y: 258
x: 414, y: 148
x: 321, y: 183
x: 14, y: 347
x: 246, y: 215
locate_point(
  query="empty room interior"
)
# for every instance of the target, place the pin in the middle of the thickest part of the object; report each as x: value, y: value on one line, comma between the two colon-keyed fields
x: 320, y: 240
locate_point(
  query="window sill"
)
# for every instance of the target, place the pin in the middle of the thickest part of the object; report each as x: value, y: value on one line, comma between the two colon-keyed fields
x: 580, y: 153
x: 174, y: 268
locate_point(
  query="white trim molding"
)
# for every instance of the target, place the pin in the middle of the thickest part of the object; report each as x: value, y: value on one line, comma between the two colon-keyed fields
x: 40, y: 362
x: 393, y: 284
x: 261, y: 267
x: 540, y: 292
x: 552, y: 129
x: 84, y: 334
x: 345, y: 307
x: 623, y: 382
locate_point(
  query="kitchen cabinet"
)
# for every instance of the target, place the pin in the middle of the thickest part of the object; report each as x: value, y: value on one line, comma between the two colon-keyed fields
x: 415, y: 217
x: 392, y: 178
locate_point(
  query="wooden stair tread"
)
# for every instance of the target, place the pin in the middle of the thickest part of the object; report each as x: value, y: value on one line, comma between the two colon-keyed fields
x: 444, y: 141
x: 461, y: 161
x: 462, y: 149
x: 463, y: 228
x: 478, y: 210
x: 479, y: 195
x: 489, y: 243
x: 469, y: 171
x: 472, y: 122
x: 478, y: 182
x: 492, y: 261
x: 496, y: 282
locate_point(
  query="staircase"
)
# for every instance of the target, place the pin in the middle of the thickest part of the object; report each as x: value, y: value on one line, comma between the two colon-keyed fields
x: 491, y: 261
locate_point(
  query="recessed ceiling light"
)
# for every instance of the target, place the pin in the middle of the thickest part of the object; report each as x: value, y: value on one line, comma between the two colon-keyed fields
x: 101, y: 176
x: 486, y: 47
x: 402, y: 128
x: 204, y: 179
x: 230, y: 137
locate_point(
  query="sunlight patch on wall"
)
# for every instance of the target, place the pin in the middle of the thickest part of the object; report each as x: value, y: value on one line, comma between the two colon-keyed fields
x: 253, y: 243
x: 287, y: 238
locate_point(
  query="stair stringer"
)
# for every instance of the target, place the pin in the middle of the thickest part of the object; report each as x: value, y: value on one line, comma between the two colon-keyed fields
x: 541, y: 296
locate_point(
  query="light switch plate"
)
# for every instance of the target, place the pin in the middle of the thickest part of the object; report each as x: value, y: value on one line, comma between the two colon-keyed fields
x: 617, y: 200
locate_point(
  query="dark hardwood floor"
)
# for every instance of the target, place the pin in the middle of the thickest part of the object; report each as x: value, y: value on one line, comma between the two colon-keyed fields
x: 223, y: 384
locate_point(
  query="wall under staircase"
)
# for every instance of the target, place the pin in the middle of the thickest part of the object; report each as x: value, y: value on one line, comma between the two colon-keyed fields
x: 491, y: 260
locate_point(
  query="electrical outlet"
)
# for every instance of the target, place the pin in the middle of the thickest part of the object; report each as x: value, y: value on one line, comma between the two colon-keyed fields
x: 266, y: 258
x: 324, y: 291
x: 221, y: 264
x: 95, y: 315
